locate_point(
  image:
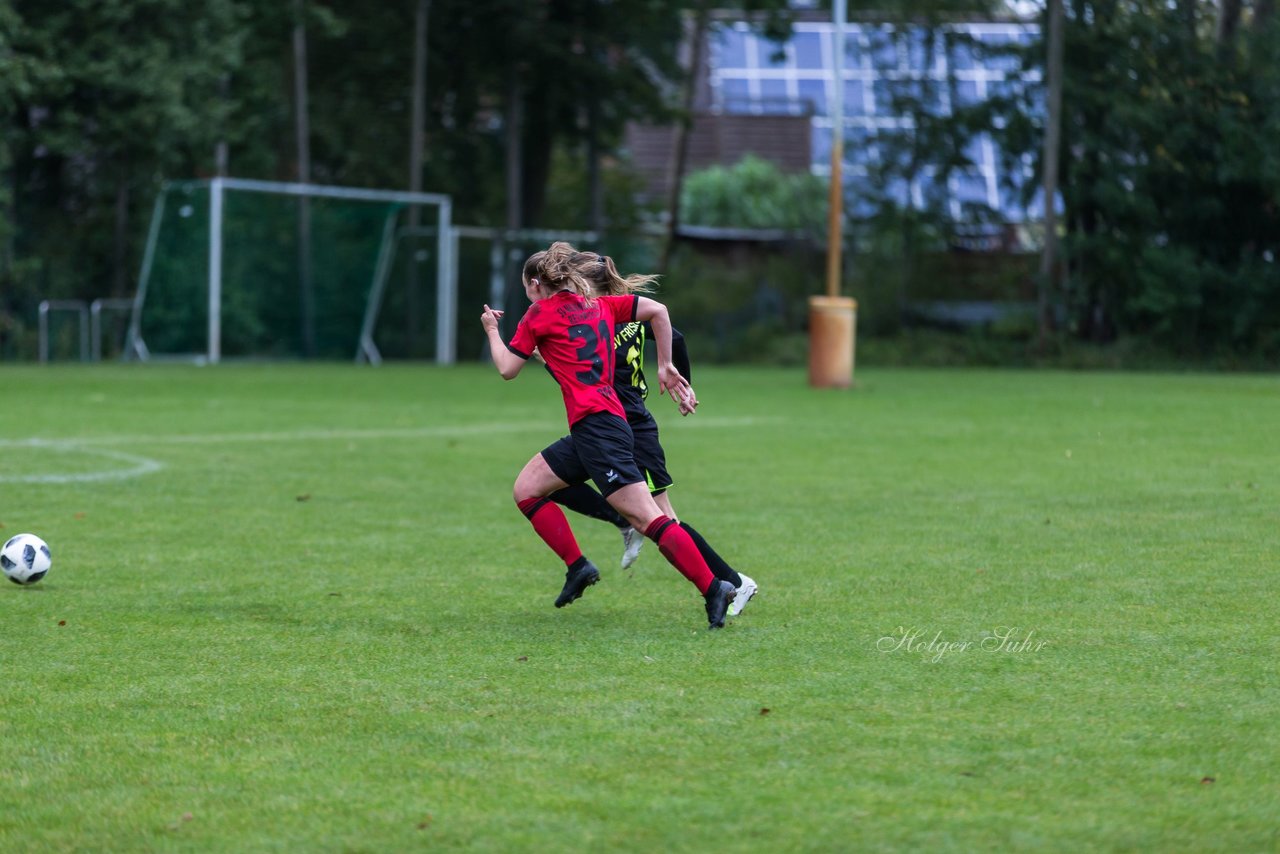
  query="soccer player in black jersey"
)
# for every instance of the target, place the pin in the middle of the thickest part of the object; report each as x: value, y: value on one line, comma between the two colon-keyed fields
x: 629, y: 383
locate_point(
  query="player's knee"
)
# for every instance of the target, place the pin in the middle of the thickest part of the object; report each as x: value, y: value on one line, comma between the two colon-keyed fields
x: 522, y: 490
x: 641, y: 519
x: 658, y: 528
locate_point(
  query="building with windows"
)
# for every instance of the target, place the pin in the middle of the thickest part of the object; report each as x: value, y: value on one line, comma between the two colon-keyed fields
x: 774, y: 100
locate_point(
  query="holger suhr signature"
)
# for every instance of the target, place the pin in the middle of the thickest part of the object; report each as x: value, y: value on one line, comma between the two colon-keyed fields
x: 935, y: 646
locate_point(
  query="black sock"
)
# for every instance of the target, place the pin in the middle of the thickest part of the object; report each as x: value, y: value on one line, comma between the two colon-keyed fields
x: 715, y: 563
x: 581, y: 498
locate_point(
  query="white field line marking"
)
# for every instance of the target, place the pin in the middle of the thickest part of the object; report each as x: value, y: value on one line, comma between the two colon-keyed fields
x: 138, y: 465
x: 134, y: 464
x: 329, y: 435
x: 289, y: 435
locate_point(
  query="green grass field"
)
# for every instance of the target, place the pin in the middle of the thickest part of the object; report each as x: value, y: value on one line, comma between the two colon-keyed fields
x: 293, y: 608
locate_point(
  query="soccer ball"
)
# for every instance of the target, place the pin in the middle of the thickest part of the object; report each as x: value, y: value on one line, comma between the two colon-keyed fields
x: 25, y: 559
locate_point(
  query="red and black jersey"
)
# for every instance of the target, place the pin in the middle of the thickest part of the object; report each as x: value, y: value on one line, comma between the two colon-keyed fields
x: 575, y: 339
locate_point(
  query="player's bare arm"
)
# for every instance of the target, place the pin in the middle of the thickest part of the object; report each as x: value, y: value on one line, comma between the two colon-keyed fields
x: 507, y: 363
x: 669, y: 379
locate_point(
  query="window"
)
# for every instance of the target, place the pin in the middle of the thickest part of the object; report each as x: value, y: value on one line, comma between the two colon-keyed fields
x: 886, y: 69
x: 730, y: 48
x: 855, y: 98
x: 735, y: 95
x: 808, y: 51
x: 813, y: 93
x: 774, y: 99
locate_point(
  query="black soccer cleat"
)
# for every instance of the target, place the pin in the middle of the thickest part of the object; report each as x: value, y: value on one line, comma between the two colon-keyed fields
x: 718, y: 597
x: 577, y: 580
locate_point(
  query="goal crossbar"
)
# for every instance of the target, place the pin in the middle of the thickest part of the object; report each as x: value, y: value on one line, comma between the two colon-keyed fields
x: 446, y: 290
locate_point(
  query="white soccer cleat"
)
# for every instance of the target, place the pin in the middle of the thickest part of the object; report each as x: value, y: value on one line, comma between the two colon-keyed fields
x: 745, y: 592
x: 632, y: 541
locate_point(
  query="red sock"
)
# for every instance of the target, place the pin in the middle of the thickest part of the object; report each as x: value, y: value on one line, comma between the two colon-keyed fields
x: 549, y: 521
x: 679, y: 548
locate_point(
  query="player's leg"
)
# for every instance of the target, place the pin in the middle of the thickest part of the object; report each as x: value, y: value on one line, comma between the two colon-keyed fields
x: 536, y: 481
x: 715, y: 563
x: 604, y: 445
x: 652, y: 459
x: 745, y: 586
x: 582, y: 499
x: 652, y: 462
x: 635, y: 502
x: 579, y: 497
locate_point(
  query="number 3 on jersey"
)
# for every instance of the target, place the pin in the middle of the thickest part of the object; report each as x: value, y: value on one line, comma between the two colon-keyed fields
x: 590, y: 350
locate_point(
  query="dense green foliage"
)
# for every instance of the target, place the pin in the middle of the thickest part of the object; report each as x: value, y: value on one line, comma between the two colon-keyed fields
x: 317, y: 622
x: 101, y: 100
x: 755, y: 193
x: 1172, y: 186
x: 1169, y: 187
x: 1170, y: 178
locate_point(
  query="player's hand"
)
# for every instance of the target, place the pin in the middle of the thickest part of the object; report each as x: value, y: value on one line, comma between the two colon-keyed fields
x: 688, y: 402
x: 670, y: 382
x: 489, y: 319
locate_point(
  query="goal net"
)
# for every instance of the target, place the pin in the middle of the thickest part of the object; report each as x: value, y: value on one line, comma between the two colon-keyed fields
x: 257, y: 269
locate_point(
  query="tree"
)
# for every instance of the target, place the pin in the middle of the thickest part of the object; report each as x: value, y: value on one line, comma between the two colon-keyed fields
x: 100, y: 116
x: 417, y: 124
x: 905, y: 206
x: 302, y: 132
x: 1049, y: 166
x: 1170, y: 209
x: 684, y: 122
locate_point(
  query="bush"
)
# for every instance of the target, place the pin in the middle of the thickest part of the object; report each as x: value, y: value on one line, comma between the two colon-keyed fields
x: 754, y: 193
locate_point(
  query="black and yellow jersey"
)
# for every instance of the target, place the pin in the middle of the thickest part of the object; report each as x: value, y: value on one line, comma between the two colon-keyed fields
x: 628, y: 369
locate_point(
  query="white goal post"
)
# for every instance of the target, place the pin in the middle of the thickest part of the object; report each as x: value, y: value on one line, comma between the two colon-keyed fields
x: 367, y: 350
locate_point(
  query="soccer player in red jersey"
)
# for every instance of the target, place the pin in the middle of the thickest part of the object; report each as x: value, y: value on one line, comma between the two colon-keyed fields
x: 629, y: 382
x: 573, y: 331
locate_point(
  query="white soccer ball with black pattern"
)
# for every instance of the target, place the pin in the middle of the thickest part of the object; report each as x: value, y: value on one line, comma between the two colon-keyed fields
x: 25, y: 559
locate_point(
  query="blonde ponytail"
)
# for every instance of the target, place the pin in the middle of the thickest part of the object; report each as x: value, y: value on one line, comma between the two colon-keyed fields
x: 602, y: 275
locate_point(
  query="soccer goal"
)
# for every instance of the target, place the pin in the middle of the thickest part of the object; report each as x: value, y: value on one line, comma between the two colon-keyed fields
x: 236, y: 268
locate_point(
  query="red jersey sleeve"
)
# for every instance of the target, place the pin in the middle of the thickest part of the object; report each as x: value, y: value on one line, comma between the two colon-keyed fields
x: 524, y: 341
x: 623, y: 308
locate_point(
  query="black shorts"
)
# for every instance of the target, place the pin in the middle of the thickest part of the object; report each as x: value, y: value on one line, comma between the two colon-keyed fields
x: 649, y: 454
x: 598, y: 448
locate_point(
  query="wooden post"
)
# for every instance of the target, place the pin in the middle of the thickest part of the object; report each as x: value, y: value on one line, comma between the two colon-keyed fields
x: 833, y: 318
